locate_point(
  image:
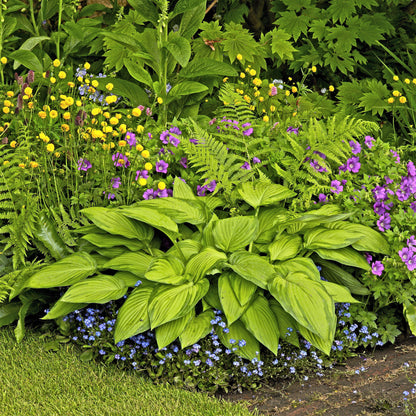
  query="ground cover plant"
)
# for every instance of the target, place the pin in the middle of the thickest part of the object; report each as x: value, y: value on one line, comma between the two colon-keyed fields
x: 268, y: 234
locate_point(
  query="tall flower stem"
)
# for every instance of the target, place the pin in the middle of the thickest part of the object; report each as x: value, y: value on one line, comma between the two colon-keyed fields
x: 162, y: 34
x: 32, y: 17
x: 1, y: 39
x: 59, y: 30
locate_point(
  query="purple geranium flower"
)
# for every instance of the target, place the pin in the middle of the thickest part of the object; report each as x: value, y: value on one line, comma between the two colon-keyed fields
x: 396, y: 155
x: 211, y: 186
x: 115, y: 182
x: 84, y: 164
x: 405, y: 253
x: 131, y: 139
x: 411, y: 170
x: 246, y: 166
x: 248, y: 132
x: 175, y: 130
x: 384, y: 222
x: 369, y: 258
x: 149, y: 194
x: 184, y: 162
x: 174, y: 140
x: 120, y: 160
x: 291, y: 129
x: 353, y: 164
x: 355, y: 147
x: 368, y: 140
x: 322, y: 198
x: 377, y: 268
x: 256, y: 160
x: 200, y: 190
x: 142, y: 174
x: 411, y: 242
x: 379, y: 193
x: 161, y: 193
x: 194, y: 141
x: 164, y: 137
x: 162, y: 166
x: 336, y: 187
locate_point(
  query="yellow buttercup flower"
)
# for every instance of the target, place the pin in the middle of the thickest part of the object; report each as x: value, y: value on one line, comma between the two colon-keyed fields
x: 57, y: 154
x: 65, y: 127
x: 53, y: 114
x: 69, y: 100
x: 33, y: 165
x: 225, y: 79
x: 331, y: 88
x: 122, y: 128
x: 313, y: 69
x: 402, y: 100
x: 239, y: 56
x: 50, y: 147
x: 142, y: 181
x: 28, y: 91
x: 107, y: 129
x: 71, y: 84
x: 56, y: 63
x: 287, y: 93
x: 44, y: 137
x: 272, y: 108
x: 159, y: 100
x: 53, y: 80
x: 7, y: 103
x: 161, y: 186
x: 396, y: 93
x: 145, y: 154
x: 139, y: 147
x: 242, y: 75
x: 136, y: 112
x: 22, y: 165
x: 95, y: 83
x: 66, y: 115
x: 13, y: 144
x: 6, y: 110
x: 62, y: 75
x: 95, y: 111
x: 30, y: 104
x: 10, y: 93
x: 252, y: 72
x: 109, y: 86
x: 390, y: 100
x: 407, y: 81
x: 113, y: 121
x: 87, y: 65
x: 140, y: 129
x: 266, y: 118
x: 395, y: 78
x: 257, y: 82
x: 106, y: 114
x: 261, y: 99
x: 3, y: 60
x: 122, y: 143
x: 148, y: 166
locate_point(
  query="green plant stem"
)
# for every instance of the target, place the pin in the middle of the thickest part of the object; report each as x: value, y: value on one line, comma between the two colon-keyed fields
x: 32, y: 17
x: 163, y: 78
x: 59, y: 29
x: 1, y: 40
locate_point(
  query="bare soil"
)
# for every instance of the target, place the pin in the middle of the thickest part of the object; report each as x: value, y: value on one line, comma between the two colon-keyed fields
x: 378, y: 390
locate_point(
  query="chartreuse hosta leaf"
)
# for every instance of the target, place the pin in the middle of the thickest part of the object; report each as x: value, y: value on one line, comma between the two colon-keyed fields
x: 268, y: 219
x: 261, y: 194
x: 307, y: 301
x: 62, y: 309
x: 286, y: 323
x: 202, y: 263
x: 109, y: 241
x: 285, y: 247
x: 168, y: 270
x: 347, y: 256
x: 324, y: 344
x: 321, y: 237
x: 235, y: 233
x: 235, y: 294
x: 133, y: 316
x: 409, y: 310
x: 252, y: 267
x: 167, y: 333
x: 339, y: 293
x: 337, y: 274
x: 370, y: 240
x: 136, y: 263
x: 188, y: 248
x: 172, y: 302
x: 259, y: 319
x: 64, y: 272
x: 182, y: 190
x: 238, y: 332
x: 197, y: 328
x: 100, y: 289
x: 299, y: 264
x: 151, y: 216
x: 114, y: 222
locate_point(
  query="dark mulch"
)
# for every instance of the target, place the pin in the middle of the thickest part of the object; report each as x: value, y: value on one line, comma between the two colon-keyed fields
x: 378, y: 390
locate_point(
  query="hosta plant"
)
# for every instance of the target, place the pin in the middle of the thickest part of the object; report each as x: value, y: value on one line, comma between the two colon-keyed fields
x: 177, y: 261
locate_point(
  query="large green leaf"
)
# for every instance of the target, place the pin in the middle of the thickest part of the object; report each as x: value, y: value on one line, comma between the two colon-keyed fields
x: 370, y: 240
x: 181, y: 189
x: 260, y: 194
x: 136, y: 263
x: 269, y: 219
x: 409, y: 310
x: 179, y: 210
x: 252, y: 267
x: 307, y: 301
x: 168, y: 270
x: 62, y: 309
x: 331, y: 239
x: 286, y: 323
x: 338, y: 293
x: 100, y: 289
x: 188, y: 248
x: 238, y: 332
x: 285, y: 247
x: 27, y: 59
x: 109, y: 241
x: 207, y: 67
x: 133, y: 317
x: 235, y: 294
x: 197, y: 328
x: 202, y: 263
x: 191, y: 19
x: 337, y: 274
x: 185, y: 88
x: 64, y: 272
x: 212, y: 298
x: 9, y: 313
x: 151, y: 216
x: 324, y: 344
x: 137, y: 71
x: 179, y: 48
x: 234, y: 233
x: 130, y: 90
x: 167, y: 333
x: 259, y: 319
x: 172, y: 302
x: 183, y: 6
x: 347, y: 256
x: 147, y: 9
x: 114, y: 222
x: 299, y: 264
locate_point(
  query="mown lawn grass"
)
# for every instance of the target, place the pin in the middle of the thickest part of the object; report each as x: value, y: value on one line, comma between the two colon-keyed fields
x: 37, y: 382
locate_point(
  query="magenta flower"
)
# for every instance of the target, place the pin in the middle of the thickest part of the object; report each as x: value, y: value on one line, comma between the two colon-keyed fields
x: 248, y: 132
x: 162, y: 166
x: 322, y: 198
x: 164, y: 137
x: 405, y: 253
x: 84, y: 164
x: 200, y: 190
x: 377, y: 268
x: 291, y: 129
x: 411, y: 241
x: 369, y: 258
x: 175, y: 130
x: 174, y: 140
x: 115, y: 182
x: 144, y: 174
x: 161, y: 193
x: 211, y: 186
x: 120, y: 160
x: 184, y: 162
x: 379, y: 193
x: 384, y: 222
x: 355, y: 147
x: 336, y: 187
x: 411, y: 170
x: 246, y: 166
x: 149, y: 194
x: 131, y: 139
x: 353, y: 164
x: 396, y: 155
x: 273, y: 91
x: 368, y: 140
x: 256, y: 160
